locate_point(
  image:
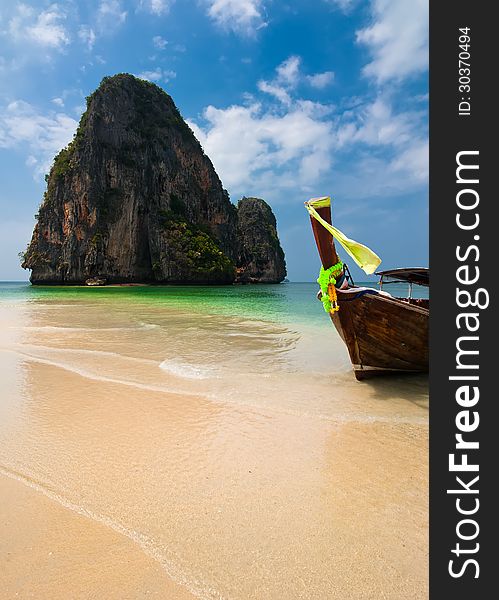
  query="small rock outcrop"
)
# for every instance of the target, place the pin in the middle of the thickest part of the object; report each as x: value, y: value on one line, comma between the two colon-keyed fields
x: 134, y: 199
x: 261, y: 257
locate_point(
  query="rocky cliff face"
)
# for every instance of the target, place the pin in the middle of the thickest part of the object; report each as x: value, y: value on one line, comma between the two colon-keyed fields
x: 133, y: 198
x: 261, y: 257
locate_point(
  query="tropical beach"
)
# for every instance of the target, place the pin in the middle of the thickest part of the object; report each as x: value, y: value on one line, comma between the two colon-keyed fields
x: 206, y: 392
x: 156, y: 443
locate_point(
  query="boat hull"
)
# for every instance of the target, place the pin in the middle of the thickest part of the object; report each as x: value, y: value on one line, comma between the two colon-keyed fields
x: 383, y: 335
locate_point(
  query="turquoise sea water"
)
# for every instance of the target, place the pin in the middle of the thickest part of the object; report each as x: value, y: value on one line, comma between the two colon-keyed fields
x: 283, y: 303
x: 247, y: 344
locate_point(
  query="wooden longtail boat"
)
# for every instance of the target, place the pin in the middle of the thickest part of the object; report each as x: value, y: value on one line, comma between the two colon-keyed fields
x: 383, y: 334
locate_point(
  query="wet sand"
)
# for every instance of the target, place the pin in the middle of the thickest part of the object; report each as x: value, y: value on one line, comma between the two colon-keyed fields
x: 50, y: 551
x: 210, y: 482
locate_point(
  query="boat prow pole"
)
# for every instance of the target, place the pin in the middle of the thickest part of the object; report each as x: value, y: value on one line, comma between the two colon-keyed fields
x: 323, y: 239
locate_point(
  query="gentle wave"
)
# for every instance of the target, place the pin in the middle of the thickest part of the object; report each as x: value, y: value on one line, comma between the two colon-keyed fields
x: 226, y: 395
x: 179, y: 369
x: 146, y: 544
x: 84, y: 351
x: 261, y: 335
x: 103, y: 378
x: 140, y: 326
x: 143, y: 325
x: 187, y: 370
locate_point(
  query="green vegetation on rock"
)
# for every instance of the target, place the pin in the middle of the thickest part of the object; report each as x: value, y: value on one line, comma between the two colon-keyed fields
x: 193, y: 251
x: 62, y: 162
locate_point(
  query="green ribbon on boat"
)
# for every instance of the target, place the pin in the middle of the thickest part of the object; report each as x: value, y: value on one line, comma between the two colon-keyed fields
x: 367, y: 260
x: 326, y: 278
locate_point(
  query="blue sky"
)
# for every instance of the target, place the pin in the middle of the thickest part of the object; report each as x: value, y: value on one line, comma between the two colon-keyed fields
x: 290, y: 100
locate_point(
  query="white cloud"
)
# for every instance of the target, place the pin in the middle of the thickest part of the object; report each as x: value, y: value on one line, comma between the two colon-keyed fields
x: 321, y: 80
x: 288, y: 72
x: 296, y: 145
x: 315, y: 109
x: 397, y: 39
x: 159, y: 42
x: 240, y: 16
x: 44, y: 29
x: 41, y: 135
x: 254, y: 149
x: 376, y: 124
x: 87, y: 36
x: 372, y: 176
x: 274, y: 90
x: 158, y: 74
x: 422, y: 97
x: 110, y: 15
x: 399, y: 136
x: 156, y: 7
x: 343, y: 5
x: 58, y: 101
x: 414, y: 160
x: 286, y: 78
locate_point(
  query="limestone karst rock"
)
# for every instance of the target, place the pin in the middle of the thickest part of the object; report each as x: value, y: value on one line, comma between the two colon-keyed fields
x: 133, y: 198
x: 261, y: 257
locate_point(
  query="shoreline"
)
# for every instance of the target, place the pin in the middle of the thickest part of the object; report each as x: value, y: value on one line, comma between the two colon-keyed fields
x: 69, y: 553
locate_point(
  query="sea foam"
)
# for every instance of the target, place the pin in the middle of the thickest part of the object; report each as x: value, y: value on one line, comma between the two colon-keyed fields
x: 182, y: 369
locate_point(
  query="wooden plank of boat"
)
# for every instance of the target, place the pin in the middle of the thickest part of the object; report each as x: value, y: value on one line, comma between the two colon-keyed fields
x: 383, y: 335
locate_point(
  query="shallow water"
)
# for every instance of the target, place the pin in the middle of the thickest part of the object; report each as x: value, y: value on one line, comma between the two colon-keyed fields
x: 222, y: 431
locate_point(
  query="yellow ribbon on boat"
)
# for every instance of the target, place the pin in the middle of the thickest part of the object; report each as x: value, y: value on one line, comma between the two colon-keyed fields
x: 367, y: 260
